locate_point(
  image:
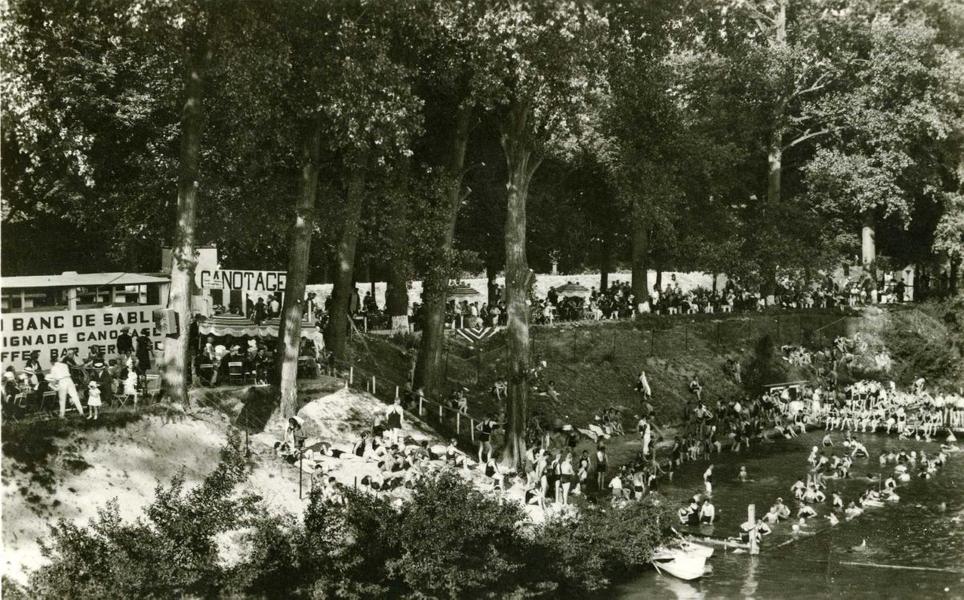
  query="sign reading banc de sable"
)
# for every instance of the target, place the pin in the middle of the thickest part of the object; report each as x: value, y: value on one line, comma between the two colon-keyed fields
x: 54, y: 332
x: 251, y: 281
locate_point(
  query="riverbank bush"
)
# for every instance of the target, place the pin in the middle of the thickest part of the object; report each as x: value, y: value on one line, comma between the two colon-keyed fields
x: 449, y: 540
x: 172, y: 551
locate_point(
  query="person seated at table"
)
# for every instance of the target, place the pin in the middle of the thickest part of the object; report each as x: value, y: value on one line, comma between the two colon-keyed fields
x: 250, y: 355
x: 262, y: 366
x: 222, y: 366
x: 10, y: 388
x: 29, y: 381
x: 204, y: 368
x: 34, y: 363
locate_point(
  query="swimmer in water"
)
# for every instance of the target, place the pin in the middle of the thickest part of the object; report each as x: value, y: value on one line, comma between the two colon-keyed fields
x: 827, y: 440
x: 743, y: 474
x: 837, y: 502
x: 833, y: 519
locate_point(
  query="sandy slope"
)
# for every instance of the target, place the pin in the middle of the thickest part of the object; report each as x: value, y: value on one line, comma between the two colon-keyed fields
x: 128, y: 462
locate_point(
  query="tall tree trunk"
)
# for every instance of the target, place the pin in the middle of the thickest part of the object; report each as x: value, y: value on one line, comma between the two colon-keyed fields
x: 176, y: 347
x: 868, y: 247
x: 521, y: 165
x: 396, y: 292
x: 659, y: 277
x: 289, y: 337
x: 336, y: 336
x: 428, y: 368
x: 605, y: 262
x: 868, y: 243
x: 775, y: 149
x: 640, y: 256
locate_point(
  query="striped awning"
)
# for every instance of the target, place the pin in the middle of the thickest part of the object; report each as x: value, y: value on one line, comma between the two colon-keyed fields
x: 239, y: 326
x: 572, y: 289
x: 462, y: 291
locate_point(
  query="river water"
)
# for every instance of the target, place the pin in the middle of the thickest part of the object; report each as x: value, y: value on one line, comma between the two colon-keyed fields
x: 916, y: 532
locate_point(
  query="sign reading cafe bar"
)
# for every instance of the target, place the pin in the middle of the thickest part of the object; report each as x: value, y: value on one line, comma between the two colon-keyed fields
x: 251, y: 281
x: 54, y: 332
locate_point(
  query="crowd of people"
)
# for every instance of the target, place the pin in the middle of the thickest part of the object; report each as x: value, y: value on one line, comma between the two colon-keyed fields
x: 92, y: 381
x: 811, y: 491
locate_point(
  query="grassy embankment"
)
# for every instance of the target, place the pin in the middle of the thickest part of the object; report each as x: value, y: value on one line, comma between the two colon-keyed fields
x: 594, y: 365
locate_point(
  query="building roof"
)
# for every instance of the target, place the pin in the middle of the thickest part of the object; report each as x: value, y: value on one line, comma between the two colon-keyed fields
x: 74, y: 279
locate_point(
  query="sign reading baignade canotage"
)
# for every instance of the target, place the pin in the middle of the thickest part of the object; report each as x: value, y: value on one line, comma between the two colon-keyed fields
x: 54, y: 332
x: 251, y: 281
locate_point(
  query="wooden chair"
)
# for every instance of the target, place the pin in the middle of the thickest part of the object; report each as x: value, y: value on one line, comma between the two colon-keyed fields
x: 204, y: 373
x: 152, y: 385
x: 49, y: 395
x: 16, y: 408
x: 236, y: 372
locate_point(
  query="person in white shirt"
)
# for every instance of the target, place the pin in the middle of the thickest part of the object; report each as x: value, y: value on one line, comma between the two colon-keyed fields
x: 61, y: 380
x: 707, y: 512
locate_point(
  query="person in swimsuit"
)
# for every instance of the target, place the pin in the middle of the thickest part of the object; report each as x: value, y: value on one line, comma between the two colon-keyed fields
x: 708, y: 480
x: 602, y: 463
x: 567, y: 477
x: 485, y: 429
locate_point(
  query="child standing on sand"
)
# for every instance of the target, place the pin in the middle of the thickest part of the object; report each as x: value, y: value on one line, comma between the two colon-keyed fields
x: 93, y: 400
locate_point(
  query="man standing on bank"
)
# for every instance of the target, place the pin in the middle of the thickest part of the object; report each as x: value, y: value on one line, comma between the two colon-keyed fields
x: 125, y: 343
x: 61, y: 380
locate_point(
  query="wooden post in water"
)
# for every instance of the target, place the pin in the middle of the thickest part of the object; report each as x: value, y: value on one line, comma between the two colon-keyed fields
x: 396, y: 392
x: 373, y: 385
x: 458, y: 423
x: 751, y: 519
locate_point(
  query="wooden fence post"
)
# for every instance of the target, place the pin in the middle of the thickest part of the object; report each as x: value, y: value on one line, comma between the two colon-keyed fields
x: 420, y: 410
x: 351, y: 374
x: 373, y: 385
x: 458, y: 423
x: 751, y: 519
x: 472, y: 429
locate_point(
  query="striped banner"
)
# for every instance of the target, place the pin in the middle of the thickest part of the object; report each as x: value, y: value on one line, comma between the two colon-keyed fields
x: 476, y: 334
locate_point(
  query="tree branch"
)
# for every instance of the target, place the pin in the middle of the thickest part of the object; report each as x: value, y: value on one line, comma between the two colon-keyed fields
x: 808, y: 135
x: 820, y: 83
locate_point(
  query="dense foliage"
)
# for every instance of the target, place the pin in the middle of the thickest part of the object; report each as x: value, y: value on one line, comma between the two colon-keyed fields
x: 448, y: 541
x: 671, y: 128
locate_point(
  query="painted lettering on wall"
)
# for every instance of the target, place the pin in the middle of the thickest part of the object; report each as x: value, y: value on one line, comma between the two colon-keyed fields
x: 252, y: 281
x: 53, y: 333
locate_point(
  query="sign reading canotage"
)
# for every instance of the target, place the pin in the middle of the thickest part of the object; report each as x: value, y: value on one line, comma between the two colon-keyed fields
x: 251, y: 281
x: 52, y: 333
